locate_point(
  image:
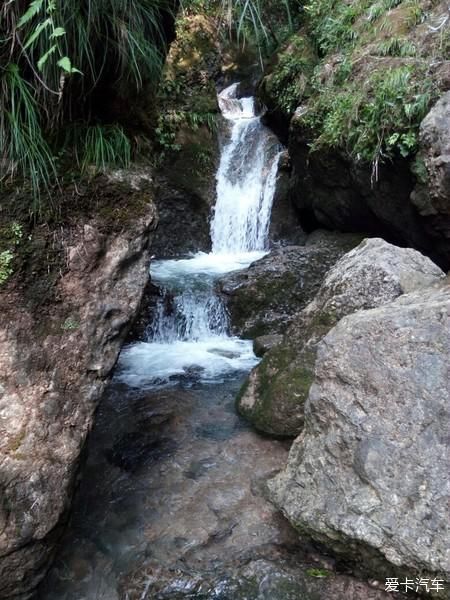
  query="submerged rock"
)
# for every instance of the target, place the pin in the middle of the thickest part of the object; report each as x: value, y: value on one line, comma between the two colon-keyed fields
x: 372, y: 274
x: 368, y: 477
x: 264, y: 298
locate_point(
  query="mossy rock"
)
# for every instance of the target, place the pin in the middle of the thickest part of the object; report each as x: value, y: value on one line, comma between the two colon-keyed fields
x: 274, y: 395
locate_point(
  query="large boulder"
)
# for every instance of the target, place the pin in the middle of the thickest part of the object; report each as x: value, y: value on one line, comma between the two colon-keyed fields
x: 264, y: 298
x: 432, y: 193
x: 368, y: 477
x: 371, y: 275
x: 65, y: 314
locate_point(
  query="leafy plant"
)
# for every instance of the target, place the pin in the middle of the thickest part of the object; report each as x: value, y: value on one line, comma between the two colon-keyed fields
x: 70, y: 324
x: 376, y: 121
x: 318, y: 573
x: 289, y: 82
x: 6, y: 270
x: 11, y: 237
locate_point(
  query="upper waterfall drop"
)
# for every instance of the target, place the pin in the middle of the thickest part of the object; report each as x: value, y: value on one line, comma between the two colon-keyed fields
x: 245, y: 179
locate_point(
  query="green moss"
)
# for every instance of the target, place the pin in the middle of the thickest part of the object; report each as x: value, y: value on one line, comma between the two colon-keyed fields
x: 418, y: 167
x: 15, y: 442
x: 6, y: 270
x: 318, y: 573
x: 70, y: 324
x: 10, y: 238
x: 187, y: 96
x: 284, y: 378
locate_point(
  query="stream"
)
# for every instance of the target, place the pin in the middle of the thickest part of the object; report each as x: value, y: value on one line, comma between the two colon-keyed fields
x: 171, y: 502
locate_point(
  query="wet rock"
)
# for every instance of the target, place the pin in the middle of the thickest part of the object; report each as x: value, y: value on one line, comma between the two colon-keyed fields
x: 187, y: 174
x: 224, y: 353
x: 368, y: 477
x: 432, y: 167
x: 372, y: 274
x: 285, y: 228
x: 56, y: 355
x: 263, y: 299
x: 261, y: 579
x: 137, y: 449
x: 264, y: 343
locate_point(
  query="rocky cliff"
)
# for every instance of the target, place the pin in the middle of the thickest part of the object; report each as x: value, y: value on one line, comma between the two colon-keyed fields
x: 361, y: 100
x: 65, y: 314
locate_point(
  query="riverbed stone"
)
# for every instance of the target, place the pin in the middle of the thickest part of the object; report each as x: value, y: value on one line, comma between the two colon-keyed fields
x: 372, y: 274
x: 368, y: 477
x: 264, y: 298
x: 261, y: 579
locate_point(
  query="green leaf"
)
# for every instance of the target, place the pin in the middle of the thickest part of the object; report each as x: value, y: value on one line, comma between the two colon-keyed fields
x: 39, y: 29
x: 32, y: 11
x: 45, y: 57
x: 65, y: 64
x: 58, y: 32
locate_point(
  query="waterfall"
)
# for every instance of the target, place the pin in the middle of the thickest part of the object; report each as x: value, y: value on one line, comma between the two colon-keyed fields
x: 189, y: 332
x: 245, y: 179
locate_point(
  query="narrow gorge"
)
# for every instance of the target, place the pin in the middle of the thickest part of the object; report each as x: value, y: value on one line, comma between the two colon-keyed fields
x: 225, y: 300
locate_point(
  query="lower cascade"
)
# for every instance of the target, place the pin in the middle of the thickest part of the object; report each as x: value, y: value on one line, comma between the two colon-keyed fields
x: 189, y: 335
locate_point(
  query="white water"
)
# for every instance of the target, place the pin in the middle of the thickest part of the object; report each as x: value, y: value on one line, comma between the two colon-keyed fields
x: 189, y: 336
x: 245, y: 179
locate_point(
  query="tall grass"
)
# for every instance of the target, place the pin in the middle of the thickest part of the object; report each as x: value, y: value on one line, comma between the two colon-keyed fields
x: 260, y: 20
x: 24, y: 149
x: 57, y: 58
x: 99, y: 146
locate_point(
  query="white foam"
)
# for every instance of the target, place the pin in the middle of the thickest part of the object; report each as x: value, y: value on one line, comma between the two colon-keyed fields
x: 147, y: 365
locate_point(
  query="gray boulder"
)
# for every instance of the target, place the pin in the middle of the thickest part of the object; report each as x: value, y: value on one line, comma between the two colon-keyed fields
x: 368, y: 477
x: 264, y: 298
x: 57, y: 351
x: 371, y: 275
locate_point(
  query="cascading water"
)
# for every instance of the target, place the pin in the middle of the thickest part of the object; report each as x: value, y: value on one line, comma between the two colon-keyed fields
x: 245, y: 180
x: 190, y: 330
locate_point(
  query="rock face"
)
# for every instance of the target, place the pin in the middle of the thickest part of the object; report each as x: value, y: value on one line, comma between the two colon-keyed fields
x: 184, y: 215
x: 285, y: 228
x: 330, y: 190
x: 263, y: 299
x: 371, y: 275
x: 55, y: 359
x: 432, y: 194
x: 368, y: 477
